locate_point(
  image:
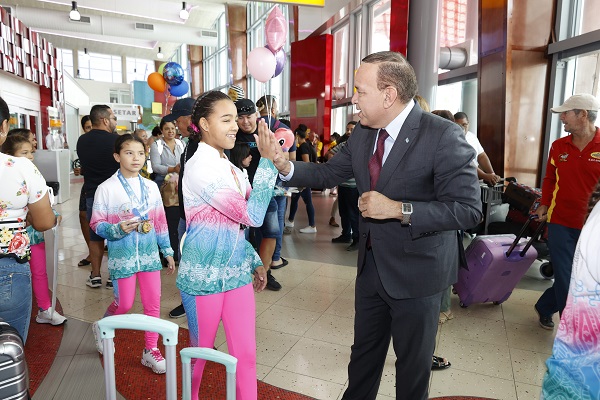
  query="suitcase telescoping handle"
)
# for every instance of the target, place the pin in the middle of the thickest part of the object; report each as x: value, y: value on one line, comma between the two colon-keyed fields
x: 204, y: 353
x: 138, y: 322
x: 521, y: 234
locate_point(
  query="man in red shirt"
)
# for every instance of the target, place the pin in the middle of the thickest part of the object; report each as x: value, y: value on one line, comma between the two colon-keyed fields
x: 571, y: 173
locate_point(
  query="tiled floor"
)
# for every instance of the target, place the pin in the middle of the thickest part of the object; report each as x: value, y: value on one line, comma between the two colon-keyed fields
x: 304, y: 331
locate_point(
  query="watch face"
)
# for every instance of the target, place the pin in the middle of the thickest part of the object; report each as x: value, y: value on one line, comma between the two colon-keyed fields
x: 406, y: 208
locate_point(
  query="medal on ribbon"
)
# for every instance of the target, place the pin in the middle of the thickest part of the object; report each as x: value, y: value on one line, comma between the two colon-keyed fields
x: 141, y: 206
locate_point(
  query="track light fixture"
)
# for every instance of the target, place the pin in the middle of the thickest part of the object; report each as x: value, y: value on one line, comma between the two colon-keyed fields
x: 74, y: 13
x: 159, y: 54
x: 184, y: 13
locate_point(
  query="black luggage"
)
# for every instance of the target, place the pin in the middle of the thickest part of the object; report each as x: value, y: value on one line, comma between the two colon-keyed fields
x: 14, y: 376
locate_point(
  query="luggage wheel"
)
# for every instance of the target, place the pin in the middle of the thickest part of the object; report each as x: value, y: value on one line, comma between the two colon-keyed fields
x: 546, y: 270
x: 497, y: 303
x: 454, y: 290
x: 462, y: 305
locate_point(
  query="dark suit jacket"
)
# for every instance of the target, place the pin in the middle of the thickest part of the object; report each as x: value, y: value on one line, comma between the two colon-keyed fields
x: 429, y: 166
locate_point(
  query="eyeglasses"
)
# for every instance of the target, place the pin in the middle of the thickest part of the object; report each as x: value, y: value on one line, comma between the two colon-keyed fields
x: 113, y: 118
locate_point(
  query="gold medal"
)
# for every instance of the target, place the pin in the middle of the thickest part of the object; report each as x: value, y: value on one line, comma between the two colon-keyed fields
x: 144, y: 227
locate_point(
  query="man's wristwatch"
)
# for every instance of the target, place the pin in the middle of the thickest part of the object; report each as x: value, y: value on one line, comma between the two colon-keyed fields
x: 407, y: 210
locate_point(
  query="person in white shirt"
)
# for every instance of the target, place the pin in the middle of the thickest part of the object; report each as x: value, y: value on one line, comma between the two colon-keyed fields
x: 485, y: 170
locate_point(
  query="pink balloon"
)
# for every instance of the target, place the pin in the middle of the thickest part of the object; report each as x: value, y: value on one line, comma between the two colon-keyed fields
x: 285, y: 138
x: 261, y: 64
x: 276, y: 29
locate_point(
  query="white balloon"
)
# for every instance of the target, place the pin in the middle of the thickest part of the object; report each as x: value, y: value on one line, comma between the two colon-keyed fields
x: 261, y: 64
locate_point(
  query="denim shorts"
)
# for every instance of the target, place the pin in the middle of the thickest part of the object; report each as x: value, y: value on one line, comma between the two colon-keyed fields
x: 15, y: 294
x: 89, y: 202
x: 270, y: 226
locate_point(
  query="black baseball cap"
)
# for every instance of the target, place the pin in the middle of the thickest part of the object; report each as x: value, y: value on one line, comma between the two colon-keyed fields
x: 245, y: 107
x: 181, y: 108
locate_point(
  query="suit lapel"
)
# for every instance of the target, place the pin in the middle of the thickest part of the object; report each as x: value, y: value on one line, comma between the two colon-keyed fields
x: 404, y: 140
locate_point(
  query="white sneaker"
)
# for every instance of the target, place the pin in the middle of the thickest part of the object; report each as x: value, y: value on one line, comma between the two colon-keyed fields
x: 289, y: 224
x: 49, y: 317
x: 97, y: 338
x: 309, y: 229
x: 153, y: 359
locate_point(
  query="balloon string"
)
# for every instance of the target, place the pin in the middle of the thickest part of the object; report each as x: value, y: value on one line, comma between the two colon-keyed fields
x: 269, y: 107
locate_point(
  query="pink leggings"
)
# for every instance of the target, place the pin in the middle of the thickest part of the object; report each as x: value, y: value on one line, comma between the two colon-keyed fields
x: 39, y: 276
x: 237, y: 310
x: 124, y: 290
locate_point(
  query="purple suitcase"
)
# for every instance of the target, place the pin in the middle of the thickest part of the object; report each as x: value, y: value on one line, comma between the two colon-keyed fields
x: 496, y: 263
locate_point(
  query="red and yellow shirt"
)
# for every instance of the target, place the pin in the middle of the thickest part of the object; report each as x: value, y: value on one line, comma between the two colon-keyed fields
x: 571, y: 175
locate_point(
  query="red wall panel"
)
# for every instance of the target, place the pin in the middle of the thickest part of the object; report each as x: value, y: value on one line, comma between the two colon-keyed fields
x: 311, y: 78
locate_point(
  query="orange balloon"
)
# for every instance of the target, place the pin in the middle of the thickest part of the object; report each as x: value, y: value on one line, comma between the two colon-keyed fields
x: 157, y: 82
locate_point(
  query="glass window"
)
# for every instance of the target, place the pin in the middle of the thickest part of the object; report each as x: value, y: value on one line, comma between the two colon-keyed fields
x: 340, y: 55
x: 453, y: 27
x: 67, y: 59
x: 120, y: 96
x: 380, y: 26
x: 100, y: 67
x: 584, y: 71
x: 138, y: 69
x: 358, y: 39
x: 449, y: 97
x: 589, y: 20
x: 278, y: 86
x: 216, y: 60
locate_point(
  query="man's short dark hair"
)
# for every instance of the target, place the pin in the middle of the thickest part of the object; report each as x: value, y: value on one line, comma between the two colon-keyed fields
x: 353, y: 123
x: 460, y: 115
x: 394, y: 71
x: 98, y: 112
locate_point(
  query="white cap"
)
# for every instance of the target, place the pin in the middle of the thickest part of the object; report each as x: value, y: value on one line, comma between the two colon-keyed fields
x: 579, y: 102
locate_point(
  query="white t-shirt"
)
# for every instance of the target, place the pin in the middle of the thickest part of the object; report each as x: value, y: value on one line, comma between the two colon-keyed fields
x: 22, y: 184
x: 474, y: 142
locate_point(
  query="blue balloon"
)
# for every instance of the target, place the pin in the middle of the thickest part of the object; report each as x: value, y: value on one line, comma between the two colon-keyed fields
x: 179, y: 90
x: 173, y: 73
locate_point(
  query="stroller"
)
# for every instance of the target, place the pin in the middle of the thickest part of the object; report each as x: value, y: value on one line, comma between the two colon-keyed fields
x: 522, y: 202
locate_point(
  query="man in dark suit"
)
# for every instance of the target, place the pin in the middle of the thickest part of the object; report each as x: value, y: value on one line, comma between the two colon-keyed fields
x: 417, y: 187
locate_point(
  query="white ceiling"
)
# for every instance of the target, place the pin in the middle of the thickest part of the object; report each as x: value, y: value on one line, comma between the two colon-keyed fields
x: 111, y: 28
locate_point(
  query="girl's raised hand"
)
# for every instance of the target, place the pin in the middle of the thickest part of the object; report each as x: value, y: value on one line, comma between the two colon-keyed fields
x: 171, y: 265
x: 266, y: 142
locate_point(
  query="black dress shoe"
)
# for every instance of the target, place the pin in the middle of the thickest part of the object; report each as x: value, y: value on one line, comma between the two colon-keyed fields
x: 341, y: 239
x: 353, y: 246
x: 284, y: 262
x: 272, y: 283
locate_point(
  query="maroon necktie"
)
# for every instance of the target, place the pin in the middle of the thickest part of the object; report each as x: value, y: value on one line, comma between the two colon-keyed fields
x: 376, y: 160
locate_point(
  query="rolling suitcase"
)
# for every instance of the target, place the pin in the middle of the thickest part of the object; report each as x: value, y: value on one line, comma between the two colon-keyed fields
x: 14, y: 376
x: 138, y: 322
x: 495, y: 264
x: 188, y: 353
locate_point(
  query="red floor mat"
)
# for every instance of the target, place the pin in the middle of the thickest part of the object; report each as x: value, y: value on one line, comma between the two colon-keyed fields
x: 43, y: 341
x: 134, y: 381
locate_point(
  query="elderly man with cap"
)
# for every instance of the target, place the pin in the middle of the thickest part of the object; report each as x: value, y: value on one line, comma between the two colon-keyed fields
x: 572, y: 171
x: 270, y: 230
x: 181, y: 114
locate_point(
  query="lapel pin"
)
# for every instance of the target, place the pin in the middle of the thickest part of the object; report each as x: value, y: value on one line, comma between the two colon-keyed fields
x: 407, y: 140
